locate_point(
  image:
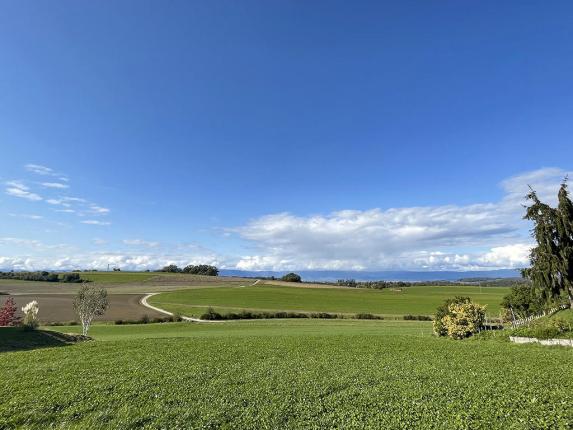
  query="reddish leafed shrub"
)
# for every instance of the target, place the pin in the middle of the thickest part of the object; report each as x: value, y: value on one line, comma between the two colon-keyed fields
x: 8, y: 313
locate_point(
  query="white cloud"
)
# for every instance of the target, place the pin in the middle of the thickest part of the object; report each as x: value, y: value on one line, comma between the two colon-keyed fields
x: 39, y: 170
x: 95, y: 222
x: 140, y: 242
x: 402, y: 238
x: 20, y: 190
x: 55, y: 185
x: 14, y: 241
x: 515, y: 255
x: 100, y: 261
x: 99, y: 210
x: 26, y: 216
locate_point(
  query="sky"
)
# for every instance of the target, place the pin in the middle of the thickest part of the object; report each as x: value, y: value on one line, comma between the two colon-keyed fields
x: 280, y: 135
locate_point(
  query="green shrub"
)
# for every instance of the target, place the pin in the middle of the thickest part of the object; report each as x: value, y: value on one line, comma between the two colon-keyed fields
x: 366, y: 316
x: 71, y: 278
x: 543, y: 328
x: 211, y: 315
x: 409, y: 317
x: 291, y: 277
x: 443, y: 310
x: 464, y: 319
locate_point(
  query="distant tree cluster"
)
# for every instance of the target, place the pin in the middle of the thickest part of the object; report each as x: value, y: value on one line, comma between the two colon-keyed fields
x: 291, y: 277
x: 377, y: 285
x: 484, y: 282
x: 201, y: 269
x: 42, y: 276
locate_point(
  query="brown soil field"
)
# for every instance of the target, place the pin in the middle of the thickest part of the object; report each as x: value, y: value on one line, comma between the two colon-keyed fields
x: 59, y: 307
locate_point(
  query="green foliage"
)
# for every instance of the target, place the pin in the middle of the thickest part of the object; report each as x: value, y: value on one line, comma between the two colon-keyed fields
x: 212, y: 315
x: 443, y: 310
x: 367, y: 316
x: 172, y: 268
x: 291, y: 277
x: 464, y: 319
x: 201, y: 269
x: 42, y: 276
x: 280, y: 377
x: 551, y: 267
x: 522, y: 301
x: 72, y: 278
x: 410, y: 317
x: 543, y: 329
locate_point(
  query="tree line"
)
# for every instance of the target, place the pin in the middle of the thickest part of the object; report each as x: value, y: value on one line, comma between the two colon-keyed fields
x: 201, y: 269
x: 42, y: 276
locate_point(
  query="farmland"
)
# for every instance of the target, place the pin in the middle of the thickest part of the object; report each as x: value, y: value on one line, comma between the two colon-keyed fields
x: 253, y: 374
x: 125, y: 291
x: 390, y: 302
x: 285, y: 374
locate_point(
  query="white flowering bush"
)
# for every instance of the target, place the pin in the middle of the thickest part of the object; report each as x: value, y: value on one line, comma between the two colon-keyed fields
x: 30, y: 311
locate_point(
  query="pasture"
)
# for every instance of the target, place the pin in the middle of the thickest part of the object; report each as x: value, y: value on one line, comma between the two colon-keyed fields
x: 389, y: 302
x: 285, y: 374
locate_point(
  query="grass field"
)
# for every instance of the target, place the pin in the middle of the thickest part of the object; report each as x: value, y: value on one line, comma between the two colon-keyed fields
x: 117, y: 277
x: 287, y: 375
x: 411, y: 300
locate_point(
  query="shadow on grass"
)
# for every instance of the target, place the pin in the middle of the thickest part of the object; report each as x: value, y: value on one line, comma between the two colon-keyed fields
x: 19, y: 339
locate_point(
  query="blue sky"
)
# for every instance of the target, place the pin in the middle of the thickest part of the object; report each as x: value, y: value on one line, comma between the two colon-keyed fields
x: 279, y: 135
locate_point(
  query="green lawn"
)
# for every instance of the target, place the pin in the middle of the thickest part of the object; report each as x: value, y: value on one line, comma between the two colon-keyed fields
x: 412, y: 300
x: 295, y: 327
x: 286, y: 375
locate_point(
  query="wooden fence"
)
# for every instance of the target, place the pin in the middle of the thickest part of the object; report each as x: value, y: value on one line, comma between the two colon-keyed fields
x: 525, y: 321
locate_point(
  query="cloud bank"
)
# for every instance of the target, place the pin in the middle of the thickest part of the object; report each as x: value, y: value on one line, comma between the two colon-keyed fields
x: 480, y: 236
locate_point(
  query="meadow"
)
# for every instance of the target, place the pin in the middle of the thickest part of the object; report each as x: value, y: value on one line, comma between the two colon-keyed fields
x: 285, y: 374
x: 388, y: 302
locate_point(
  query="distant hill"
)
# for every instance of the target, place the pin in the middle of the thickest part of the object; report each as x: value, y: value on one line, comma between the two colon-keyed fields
x: 412, y: 276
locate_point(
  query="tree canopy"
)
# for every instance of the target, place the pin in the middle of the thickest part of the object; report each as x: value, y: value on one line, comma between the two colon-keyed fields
x: 291, y: 277
x: 551, y: 269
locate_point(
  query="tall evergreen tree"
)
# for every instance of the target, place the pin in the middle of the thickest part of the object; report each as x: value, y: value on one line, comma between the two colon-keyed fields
x: 551, y: 269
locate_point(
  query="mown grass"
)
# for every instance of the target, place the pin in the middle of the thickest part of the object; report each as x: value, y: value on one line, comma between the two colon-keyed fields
x: 274, y: 375
x: 412, y: 300
x: 244, y: 328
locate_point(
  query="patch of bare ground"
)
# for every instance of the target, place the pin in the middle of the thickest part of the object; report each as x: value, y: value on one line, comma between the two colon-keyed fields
x: 60, y: 307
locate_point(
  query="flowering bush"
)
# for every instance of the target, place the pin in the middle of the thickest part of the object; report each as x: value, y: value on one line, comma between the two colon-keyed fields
x: 31, y: 315
x: 464, y: 320
x: 460, y: 319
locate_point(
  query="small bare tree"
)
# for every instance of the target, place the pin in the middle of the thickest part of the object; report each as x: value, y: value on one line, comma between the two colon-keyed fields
x: 90, y: 303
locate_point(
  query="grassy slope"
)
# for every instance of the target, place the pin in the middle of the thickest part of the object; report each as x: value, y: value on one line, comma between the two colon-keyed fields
x: 254, y: 328
x: 414, y: 300
x: 117, y: 277
x: 246, y: 379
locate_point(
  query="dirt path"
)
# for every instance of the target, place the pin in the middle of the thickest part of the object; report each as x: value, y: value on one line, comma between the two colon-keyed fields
x: 143, y: 301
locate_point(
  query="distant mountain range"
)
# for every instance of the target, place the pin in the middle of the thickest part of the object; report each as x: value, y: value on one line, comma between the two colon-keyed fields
x: 412, y: 276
